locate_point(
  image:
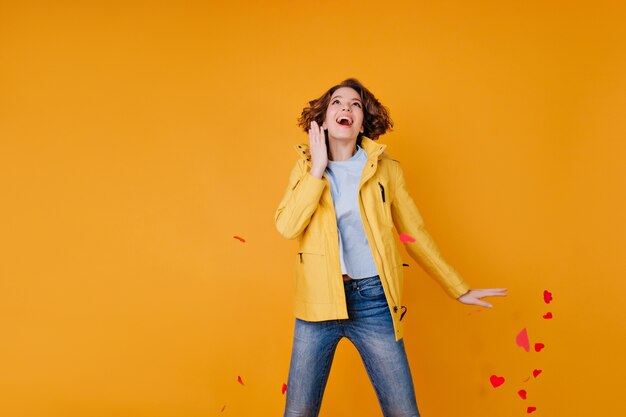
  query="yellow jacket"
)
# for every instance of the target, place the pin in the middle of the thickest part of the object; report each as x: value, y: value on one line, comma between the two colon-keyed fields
x: 306, y: 212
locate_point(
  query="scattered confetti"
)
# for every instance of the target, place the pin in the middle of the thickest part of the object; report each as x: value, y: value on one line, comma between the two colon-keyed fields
x: 522, y: 394
x: 284, y: 388
x: 548, y: 315
x: 406, y: 238
x: 522, y: 340
x: 473, y: 312
x: 240, y: 380
x: 536, y: 372
x: 539, y: 346
x: 223, y: 409
x: 496, y: 381
x: 547, y: 296
x: 240, y: 238
x: 531, y: 409
x: 526, y: 380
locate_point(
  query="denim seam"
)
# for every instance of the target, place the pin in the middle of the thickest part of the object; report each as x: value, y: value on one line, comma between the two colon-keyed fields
x: 326, y: 373
x: 370, y: 372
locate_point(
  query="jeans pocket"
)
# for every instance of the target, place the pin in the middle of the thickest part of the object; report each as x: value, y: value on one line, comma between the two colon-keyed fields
x: 371, y: 290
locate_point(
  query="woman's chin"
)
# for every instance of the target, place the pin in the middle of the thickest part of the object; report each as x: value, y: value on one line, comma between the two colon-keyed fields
x: 343, y: 136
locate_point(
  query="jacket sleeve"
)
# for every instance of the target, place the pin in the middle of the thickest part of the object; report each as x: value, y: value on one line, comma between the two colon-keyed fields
x: 299, y: 202
x: 407, y: 219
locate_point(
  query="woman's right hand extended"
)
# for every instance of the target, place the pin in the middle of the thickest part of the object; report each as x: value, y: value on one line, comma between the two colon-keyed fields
x: 319, y: 155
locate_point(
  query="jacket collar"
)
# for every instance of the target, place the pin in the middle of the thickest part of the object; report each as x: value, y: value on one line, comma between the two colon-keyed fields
x: 373, y: 150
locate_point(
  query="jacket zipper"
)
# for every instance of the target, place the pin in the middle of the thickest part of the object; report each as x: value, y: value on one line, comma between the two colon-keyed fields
x: 395, y: 308
x: 335, y: 229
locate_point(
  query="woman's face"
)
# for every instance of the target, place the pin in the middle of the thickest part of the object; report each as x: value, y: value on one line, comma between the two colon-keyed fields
x: 344, y: 115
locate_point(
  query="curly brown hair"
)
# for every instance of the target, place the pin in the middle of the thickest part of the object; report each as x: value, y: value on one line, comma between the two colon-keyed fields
x: 376, y: 119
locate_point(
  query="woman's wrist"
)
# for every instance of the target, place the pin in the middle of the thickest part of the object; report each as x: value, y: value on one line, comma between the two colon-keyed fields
x: 464, y: 294
x: 317, y: 173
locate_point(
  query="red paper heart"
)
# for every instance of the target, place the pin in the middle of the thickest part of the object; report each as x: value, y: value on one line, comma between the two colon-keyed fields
x: 522, y: 394
x: 496, y: 381
x: 531, y: 409
x: 284, y: 388
x: 522, y: 340
x: 406, y: 238
x: 548, y: 315
x: 539, y: 346
x: 536, y: 372
x: 547, y: 296
x: 239, y: 380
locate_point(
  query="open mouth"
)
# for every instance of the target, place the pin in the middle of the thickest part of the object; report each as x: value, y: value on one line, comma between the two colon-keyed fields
x: 344, y: 121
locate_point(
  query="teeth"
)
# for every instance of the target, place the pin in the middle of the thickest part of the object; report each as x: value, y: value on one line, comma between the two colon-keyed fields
x: 341, y: 119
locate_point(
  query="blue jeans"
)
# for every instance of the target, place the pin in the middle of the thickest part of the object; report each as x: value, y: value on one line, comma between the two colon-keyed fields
x: 370, y: 329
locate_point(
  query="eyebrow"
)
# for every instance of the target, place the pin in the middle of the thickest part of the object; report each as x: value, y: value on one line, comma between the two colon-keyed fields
x: 357, y: 99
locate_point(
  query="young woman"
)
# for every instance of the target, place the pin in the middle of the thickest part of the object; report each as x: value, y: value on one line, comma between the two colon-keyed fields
x: 344, y: 197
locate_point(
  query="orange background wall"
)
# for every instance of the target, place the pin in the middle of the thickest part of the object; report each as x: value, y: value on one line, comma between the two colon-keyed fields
x: 137, y: 138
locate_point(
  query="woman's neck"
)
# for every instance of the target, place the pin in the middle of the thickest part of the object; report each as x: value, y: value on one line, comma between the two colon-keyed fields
x: 341, y: 151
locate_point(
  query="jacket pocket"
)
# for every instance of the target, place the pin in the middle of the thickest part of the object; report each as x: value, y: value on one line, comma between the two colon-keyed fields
x: 382, y: 191
x: 384, y: 202
x: 311, y: 283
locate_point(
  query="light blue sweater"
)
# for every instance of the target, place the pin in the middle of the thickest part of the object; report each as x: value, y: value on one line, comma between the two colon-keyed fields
x: 354, y: 251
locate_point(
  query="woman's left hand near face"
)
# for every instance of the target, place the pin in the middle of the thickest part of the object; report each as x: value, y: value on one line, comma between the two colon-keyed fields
x: 319, y: 155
